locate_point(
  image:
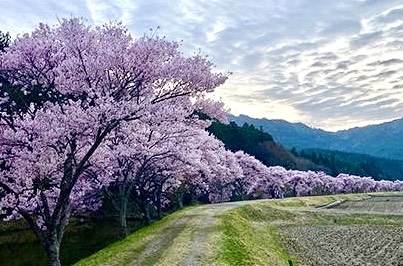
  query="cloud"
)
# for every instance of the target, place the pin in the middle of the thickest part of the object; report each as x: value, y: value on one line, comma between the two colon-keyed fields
x: 23, y: 16
x: 331, y: 64
x: 354, y: 63
x: 386, y: 62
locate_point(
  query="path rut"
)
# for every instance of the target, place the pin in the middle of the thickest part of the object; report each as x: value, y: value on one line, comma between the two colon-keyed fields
x: 189, y: 240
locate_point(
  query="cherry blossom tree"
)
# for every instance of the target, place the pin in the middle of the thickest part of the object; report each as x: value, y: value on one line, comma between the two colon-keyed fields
x: 257, y: 180
x: 146, y: 157
x: 304, y: 183
x: 223, y: 171
x: 151, y: 156
x: 103, y: 80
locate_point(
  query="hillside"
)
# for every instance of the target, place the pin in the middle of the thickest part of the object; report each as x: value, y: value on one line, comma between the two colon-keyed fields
x: 354, y: 163
x: 383, y: 140
x: 261, y: 145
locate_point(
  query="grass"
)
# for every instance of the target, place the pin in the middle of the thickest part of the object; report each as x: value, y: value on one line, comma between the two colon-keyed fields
x: 250, y: 233
x: 246, y: 235
x: 19, y: 246
x: 249, y: 239
x: 123, y: 251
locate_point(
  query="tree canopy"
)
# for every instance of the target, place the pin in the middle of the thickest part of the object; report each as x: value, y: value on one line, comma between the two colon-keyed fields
x: 97, y: 82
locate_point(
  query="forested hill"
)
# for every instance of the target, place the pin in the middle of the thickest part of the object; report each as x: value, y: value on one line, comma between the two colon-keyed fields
x: 383, y: 140
x: 262, y: 145
x: 354, y: 163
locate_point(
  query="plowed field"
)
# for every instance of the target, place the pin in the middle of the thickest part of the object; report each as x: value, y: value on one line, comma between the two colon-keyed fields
x: 372, y: 236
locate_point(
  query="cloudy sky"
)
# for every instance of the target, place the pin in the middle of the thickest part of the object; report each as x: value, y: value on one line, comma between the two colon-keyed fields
x: 331, y: 64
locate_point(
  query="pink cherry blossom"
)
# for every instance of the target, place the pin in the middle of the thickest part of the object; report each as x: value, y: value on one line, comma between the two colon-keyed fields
x: 55, y: 156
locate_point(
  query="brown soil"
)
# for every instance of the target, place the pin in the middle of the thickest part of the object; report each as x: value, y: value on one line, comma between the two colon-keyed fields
x: 350, y: 244
x: 346, y: 245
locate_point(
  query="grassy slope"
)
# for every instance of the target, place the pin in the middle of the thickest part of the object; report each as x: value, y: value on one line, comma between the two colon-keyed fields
x: 124, y: 251
x: 250, y: 232
x: 19, y: 246
x: 246, y: 235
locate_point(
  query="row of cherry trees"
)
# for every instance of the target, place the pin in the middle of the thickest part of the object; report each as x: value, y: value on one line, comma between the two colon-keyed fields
x: 91, y: 113
x: 84, y: 109
x: 300, y: 183
x: 255, y: 180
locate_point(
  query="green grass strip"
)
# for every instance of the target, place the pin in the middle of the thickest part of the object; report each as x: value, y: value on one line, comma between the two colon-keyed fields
x: 127, y: 250
x: 248, y: 238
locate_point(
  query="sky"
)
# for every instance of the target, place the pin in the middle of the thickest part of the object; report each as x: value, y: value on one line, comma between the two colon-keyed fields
x: 331, y: 64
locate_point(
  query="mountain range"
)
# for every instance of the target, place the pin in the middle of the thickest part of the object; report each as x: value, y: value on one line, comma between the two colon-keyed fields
x: 382, y: 140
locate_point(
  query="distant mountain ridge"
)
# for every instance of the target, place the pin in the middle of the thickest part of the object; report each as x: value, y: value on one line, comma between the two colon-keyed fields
x: 383, y: 140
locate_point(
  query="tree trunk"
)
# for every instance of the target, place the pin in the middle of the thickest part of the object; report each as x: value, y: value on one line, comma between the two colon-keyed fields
x: 144, y: 209
x: 51, y: 237
x: 159, y: 203
x: 119, y: 200
x: 179, y: 199
x: 53, y: 250
x: 159, y: 207
x: 147, y: 214
x: 123, y: 218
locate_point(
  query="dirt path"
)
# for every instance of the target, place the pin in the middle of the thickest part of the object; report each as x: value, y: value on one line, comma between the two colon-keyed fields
x: 189, y: 240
